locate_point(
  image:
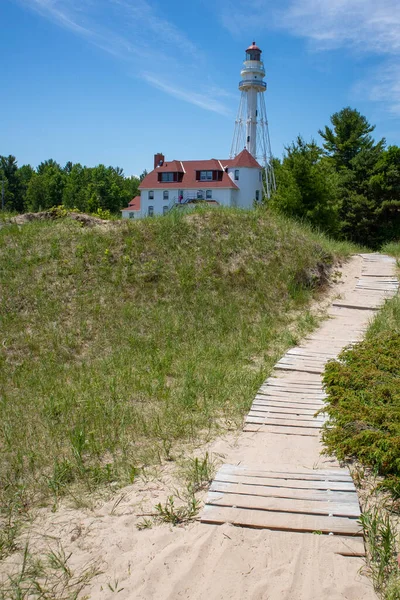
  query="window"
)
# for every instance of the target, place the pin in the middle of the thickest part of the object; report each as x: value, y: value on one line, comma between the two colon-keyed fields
x: 206, y: 175
x: 150, y: 211
x: 164, y: 210
x: 167, y: 177
x: 257, y: 195
x: 200, y: 194
x: 209, y: 194
x: 259, y: 176
x: 165, y: 195
x: 236, y: 174
x: 151, y: 195
x: 131, y: 215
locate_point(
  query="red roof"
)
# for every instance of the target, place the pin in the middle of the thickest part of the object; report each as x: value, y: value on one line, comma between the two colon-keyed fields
x: 253, y: 47
x: 243, y: 159
x: 189, y: 168
x: 134, y: 204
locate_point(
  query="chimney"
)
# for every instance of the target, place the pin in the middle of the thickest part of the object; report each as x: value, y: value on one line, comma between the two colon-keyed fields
x: 158, y: 160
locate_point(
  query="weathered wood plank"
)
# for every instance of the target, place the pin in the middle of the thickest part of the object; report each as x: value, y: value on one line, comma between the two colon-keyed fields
x: 292, y: 505
x: 311, y: 484
x: 313, y: 423
x: 290, y: 403
x: 280, y: 521
x: 298, y: 368
x: 273, y: 429
x: 299, y: 392
x: 280, y: 492
x: 282, y: 410
x: 301, y: 475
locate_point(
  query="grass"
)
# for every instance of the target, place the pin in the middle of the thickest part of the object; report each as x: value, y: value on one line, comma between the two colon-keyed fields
x: 392, y: 248
x: 47, y: 576
x: 381, y: 542
x: 123, y: 342
x: 364, y: 424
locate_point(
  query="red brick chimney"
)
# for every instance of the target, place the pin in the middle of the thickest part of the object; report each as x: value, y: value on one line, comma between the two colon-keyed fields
x: 158, y: 160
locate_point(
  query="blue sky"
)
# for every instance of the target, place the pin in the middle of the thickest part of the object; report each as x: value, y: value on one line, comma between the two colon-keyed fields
x: 114, y: 81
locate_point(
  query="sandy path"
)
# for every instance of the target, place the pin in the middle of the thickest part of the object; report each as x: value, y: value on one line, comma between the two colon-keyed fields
x: 210, y: 562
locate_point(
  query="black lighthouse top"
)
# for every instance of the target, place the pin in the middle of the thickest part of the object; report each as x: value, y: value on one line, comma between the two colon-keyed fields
x: 253, y: 52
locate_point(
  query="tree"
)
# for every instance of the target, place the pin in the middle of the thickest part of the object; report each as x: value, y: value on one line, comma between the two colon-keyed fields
x: 13, y: 193
x: 349, y: 136
x: 307, y: 186
x: 46, y: 188
x: 370, y: 209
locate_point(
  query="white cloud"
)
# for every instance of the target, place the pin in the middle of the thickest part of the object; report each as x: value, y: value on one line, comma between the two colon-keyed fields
x: 364, y: 27
x: 136, y: 32
x: 369, y: 27
x: 202, y: 100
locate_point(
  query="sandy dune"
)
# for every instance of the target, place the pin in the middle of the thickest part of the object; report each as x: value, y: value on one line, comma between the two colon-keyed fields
x: 209, y: 562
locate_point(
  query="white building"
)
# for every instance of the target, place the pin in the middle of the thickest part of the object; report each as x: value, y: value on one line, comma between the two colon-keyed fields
x: 231, y: 182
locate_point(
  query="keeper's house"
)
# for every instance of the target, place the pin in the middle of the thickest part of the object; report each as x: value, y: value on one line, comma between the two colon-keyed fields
x: 234, y: 182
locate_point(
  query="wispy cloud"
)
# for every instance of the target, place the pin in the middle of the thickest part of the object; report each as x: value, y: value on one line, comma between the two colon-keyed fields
x: 112, y: 25
x: 365, y: 27
x: 370, y: 27
x: 202, y: 100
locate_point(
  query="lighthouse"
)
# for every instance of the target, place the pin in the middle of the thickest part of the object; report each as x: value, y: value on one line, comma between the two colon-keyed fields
x: 251, y: 125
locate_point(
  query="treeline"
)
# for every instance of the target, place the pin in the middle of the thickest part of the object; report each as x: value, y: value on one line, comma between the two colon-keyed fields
x: 348, y: 187
x: 75, y: 186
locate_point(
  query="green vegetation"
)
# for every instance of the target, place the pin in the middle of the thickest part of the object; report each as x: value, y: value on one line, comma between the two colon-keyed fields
x: 349, y: 187
x: 47, y: 576
x: 121, y: 342
x: 381, y: 541
x: 364, y: 402
x: 74, y: 186
x: 364, y: 424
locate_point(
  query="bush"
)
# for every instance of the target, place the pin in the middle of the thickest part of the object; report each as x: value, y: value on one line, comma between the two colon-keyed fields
x: 364, y: 405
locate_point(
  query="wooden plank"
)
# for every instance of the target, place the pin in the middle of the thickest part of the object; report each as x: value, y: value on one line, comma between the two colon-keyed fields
x: 289, y: 403
x: 278, y: 419
x: 292, y: 397
x: 357, y: 306
x: 267, y: 429
x: 300, y: 350
x: 298, y: 391
x: 305, y: 412
x: 311, y: 484
x: 293, y: 475
x: 280, y: 492
x: 300, y: 362
x: 279, y: 381
x: 313, y: 423
x: 300, y: 369
x: 299, y: 386
x: 280, y: 521
x: 292, y: 505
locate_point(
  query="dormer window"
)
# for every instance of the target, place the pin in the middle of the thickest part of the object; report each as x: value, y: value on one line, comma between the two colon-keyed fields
x: 236, y: 174
x: 206, y: 175
x: 165, y: 177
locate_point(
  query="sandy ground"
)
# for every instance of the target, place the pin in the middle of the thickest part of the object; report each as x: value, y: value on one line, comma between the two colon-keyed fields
x: 209, y: 562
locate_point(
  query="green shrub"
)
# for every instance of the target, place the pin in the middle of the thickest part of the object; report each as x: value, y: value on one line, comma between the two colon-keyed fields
x: 364, y: 405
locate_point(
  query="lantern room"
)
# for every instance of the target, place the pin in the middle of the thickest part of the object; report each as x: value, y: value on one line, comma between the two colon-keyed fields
x: 253, y: 52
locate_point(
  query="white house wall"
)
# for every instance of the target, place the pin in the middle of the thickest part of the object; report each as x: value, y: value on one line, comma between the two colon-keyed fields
x: 221, y: 195
x: 248, y: 183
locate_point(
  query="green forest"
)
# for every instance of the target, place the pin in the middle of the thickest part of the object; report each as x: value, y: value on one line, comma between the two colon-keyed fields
x: 348, y: 186
x: 75, y: 186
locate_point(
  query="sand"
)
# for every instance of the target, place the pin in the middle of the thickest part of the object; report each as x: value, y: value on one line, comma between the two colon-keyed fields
x: 210, y: 562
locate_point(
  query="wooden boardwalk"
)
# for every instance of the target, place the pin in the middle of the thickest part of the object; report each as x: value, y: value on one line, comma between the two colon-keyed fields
x: 291, y: 403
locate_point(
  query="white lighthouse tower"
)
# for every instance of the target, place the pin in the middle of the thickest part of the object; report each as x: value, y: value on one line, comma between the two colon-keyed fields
x: 251, y: 125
